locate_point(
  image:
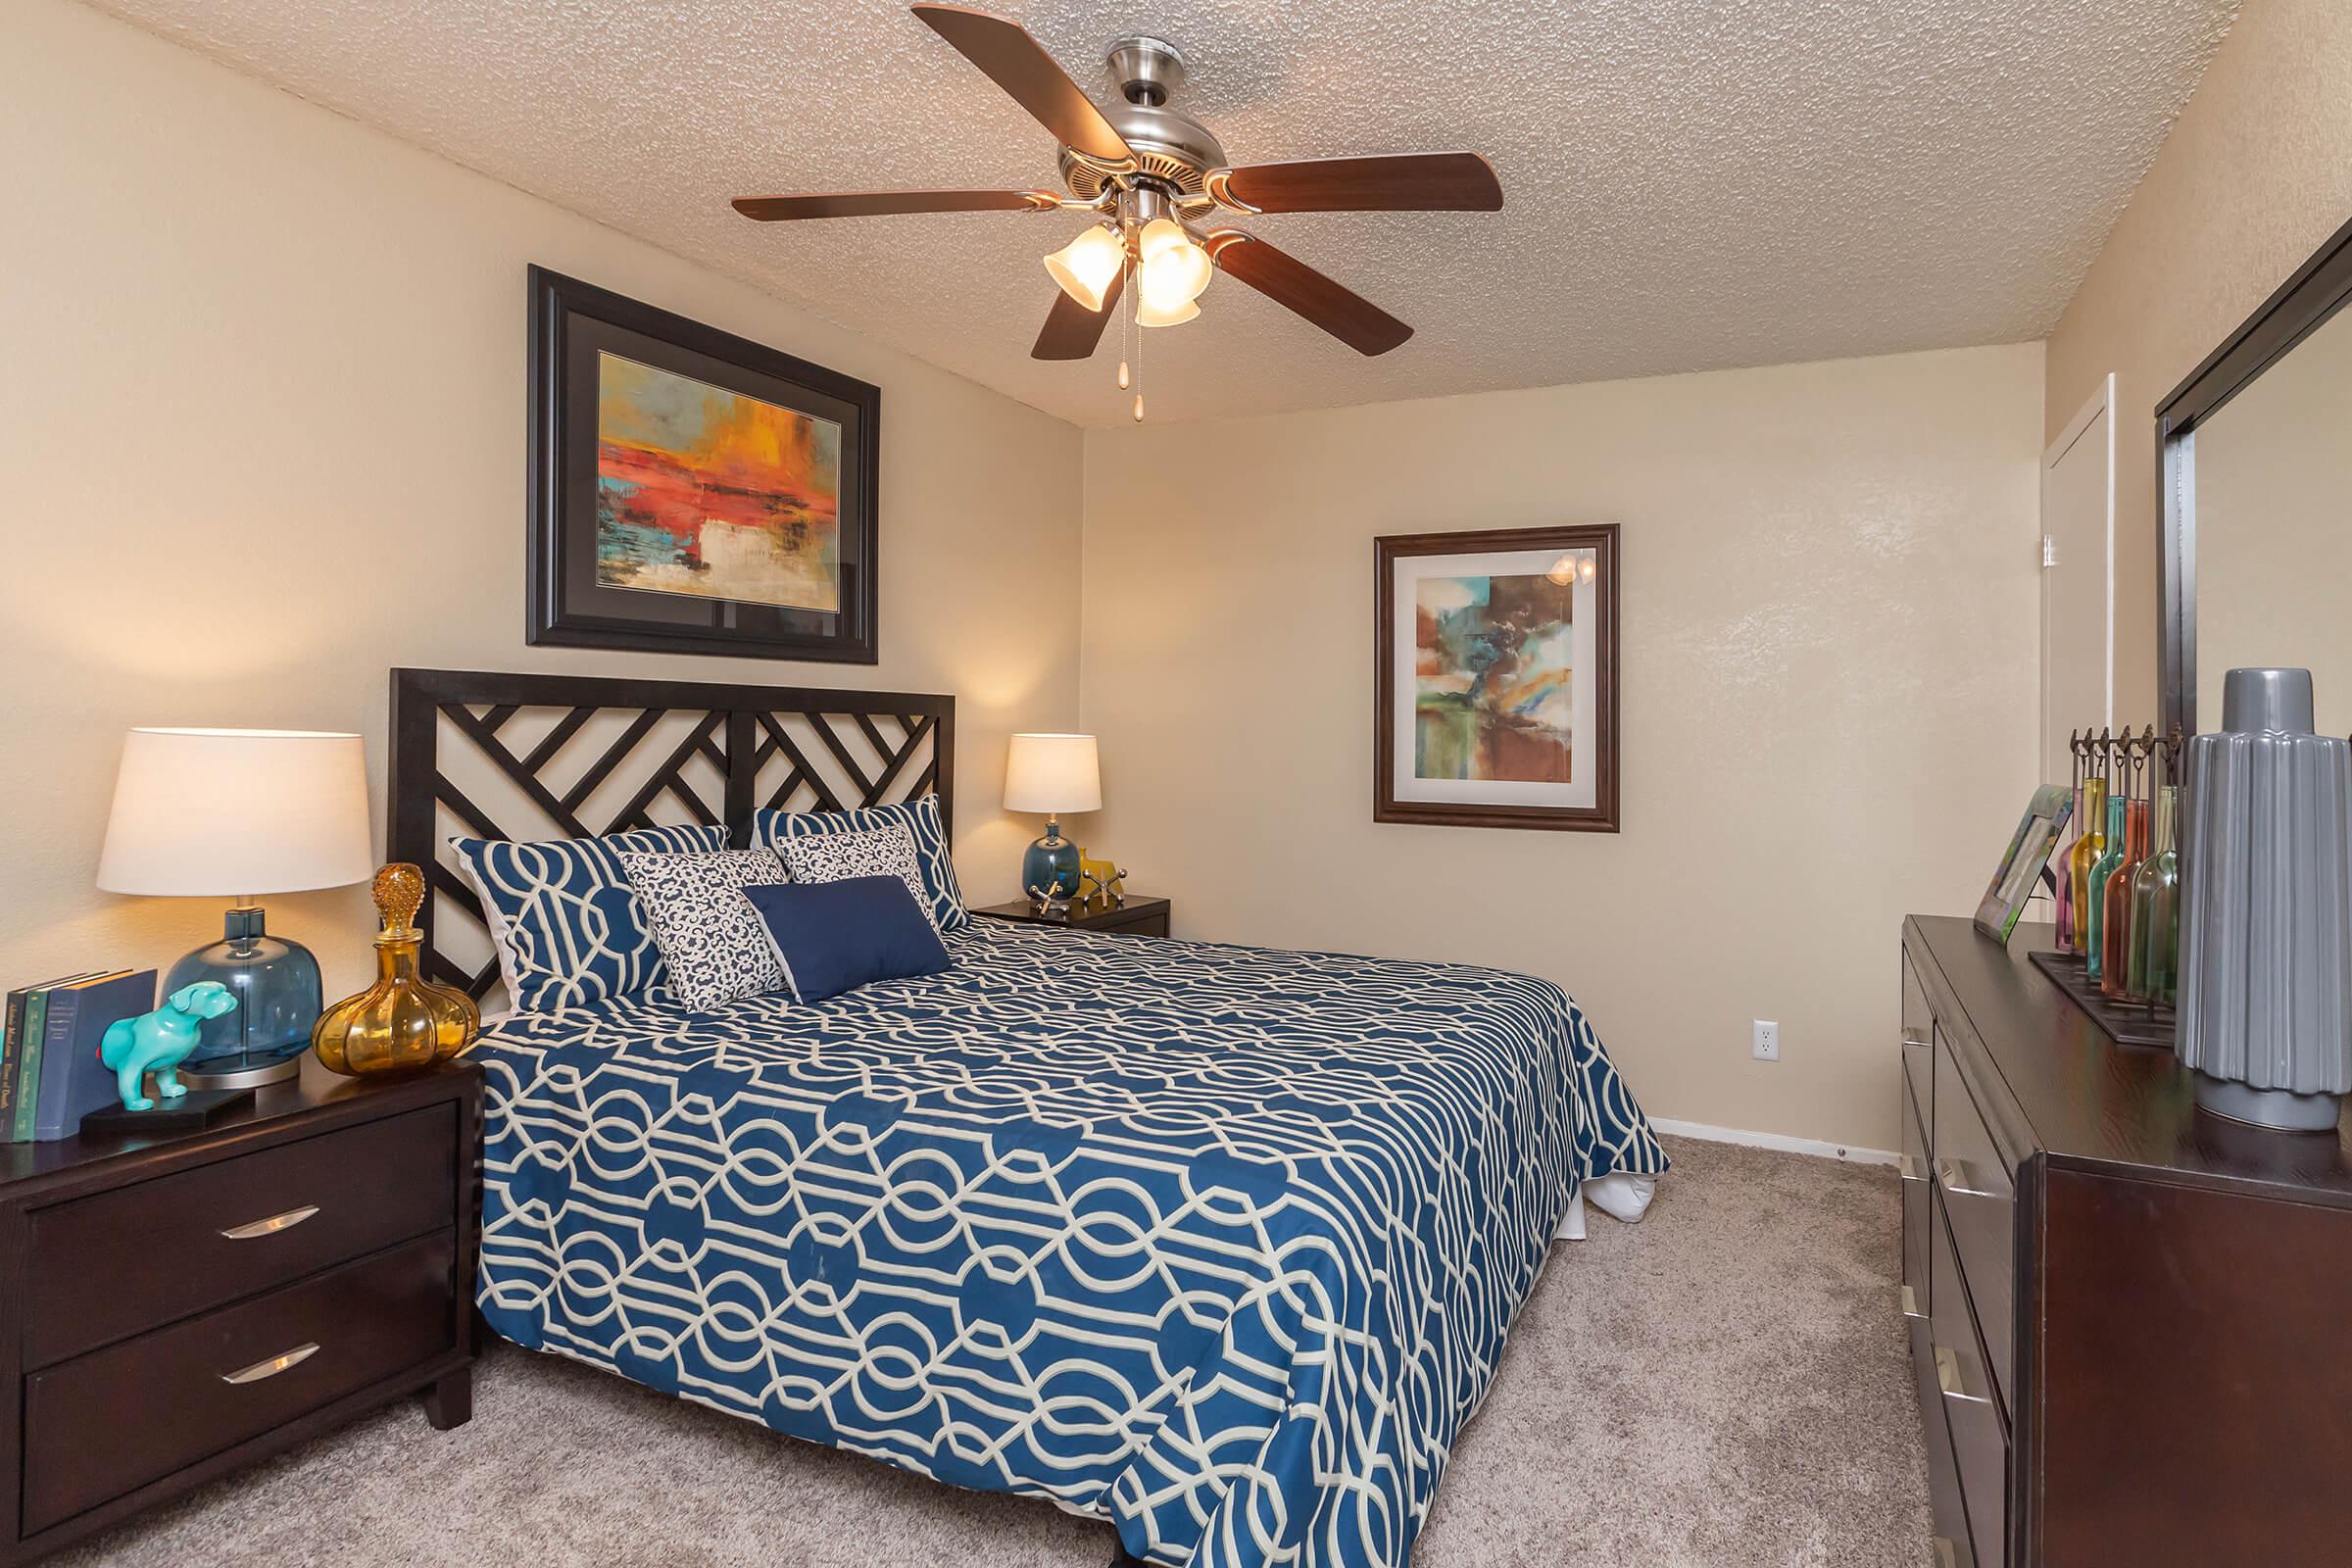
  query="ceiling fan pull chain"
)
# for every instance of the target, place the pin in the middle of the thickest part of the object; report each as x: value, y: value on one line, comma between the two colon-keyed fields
x: 1127, y: 295
x: 1126, y: 292
x: 1135, y: 310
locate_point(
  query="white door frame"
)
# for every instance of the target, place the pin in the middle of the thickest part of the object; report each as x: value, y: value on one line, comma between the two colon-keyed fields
x: 2101, y: 401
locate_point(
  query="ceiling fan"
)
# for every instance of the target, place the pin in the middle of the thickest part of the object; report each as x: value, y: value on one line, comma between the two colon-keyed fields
x: 1152, y: 176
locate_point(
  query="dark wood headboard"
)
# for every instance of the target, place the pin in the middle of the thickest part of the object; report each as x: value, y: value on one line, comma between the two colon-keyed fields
x: 542, y: 756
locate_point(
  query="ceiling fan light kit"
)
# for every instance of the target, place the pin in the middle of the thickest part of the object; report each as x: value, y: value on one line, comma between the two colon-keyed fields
x: 1150, y: 174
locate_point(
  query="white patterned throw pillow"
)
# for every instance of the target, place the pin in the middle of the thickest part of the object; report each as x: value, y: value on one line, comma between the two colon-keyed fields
x: 941, y: 896
x: 712, y: 943
x: 870, y: 852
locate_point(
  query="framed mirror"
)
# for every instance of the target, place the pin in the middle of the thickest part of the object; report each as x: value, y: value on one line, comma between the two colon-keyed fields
x: 2255, y: 487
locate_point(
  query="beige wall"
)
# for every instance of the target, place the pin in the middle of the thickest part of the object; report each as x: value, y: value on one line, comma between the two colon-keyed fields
x: 262, y: 424
x: 1829, y: 652
x: 2256, y: 173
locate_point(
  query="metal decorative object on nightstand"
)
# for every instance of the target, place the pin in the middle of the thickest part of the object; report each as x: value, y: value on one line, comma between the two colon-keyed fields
x: 176, y: 1308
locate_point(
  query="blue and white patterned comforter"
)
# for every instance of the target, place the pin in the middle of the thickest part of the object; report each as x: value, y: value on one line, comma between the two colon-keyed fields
x: 1219, y: 1243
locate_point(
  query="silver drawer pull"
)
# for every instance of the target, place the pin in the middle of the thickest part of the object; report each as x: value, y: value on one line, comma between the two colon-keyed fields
x: 272, y: 1225
x: 1911, y: 1168
x: 1948, y: 1377
x: 1954, y: 1177
x: 1944, y: 1553
x: 1911, y: 1302
x: 271, y: 1367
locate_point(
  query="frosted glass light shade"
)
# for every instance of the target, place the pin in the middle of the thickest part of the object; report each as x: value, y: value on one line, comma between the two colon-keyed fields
x: 1159, y: 237
x: 1052, y: 774
x: 1084, y: 266
x: 1148, y: 314
x: 1171, y: 274
x: 220, y: 812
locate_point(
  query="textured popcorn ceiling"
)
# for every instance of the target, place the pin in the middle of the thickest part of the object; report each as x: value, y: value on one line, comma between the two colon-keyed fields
x: 1690, y: 184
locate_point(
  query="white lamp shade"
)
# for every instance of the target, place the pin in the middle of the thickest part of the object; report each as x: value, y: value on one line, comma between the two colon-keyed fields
x: 1052, y: 774
x: 218, y: 813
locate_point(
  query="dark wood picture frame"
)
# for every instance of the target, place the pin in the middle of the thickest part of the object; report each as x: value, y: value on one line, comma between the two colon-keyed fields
x: 570, y: 322
x: 1598, y: 817
x: 2319, y: 288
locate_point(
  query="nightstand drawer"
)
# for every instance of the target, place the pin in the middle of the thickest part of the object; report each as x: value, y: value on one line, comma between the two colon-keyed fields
x: 104, y: 1267
x: 1152, y: 924
x: 118, y: 1418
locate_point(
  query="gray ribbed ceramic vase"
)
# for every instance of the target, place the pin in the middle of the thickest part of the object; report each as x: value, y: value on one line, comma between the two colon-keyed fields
x: 2266, y: 908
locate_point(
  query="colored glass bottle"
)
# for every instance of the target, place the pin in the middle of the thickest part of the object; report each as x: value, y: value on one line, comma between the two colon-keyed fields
x: 2062, y: 864
x: 2094, y: 896
x: 2155, y: 973
x: 2088, y: 846
x: 404, y: 1021
x: 2115, y: 966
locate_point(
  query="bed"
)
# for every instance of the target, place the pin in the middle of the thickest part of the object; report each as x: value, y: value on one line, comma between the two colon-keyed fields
x: 1218, y: 1243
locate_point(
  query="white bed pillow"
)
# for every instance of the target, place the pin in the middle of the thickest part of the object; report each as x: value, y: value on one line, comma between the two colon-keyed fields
x: 863, y: 851
x: 712, y: 942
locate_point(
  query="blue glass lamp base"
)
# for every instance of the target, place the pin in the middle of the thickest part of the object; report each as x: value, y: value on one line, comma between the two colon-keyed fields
x: 277, y: 985
x: 1050, y: 868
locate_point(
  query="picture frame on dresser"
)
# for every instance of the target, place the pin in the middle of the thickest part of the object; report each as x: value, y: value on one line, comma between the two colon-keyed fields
x: 693, y: 491
x: 1494, y: 678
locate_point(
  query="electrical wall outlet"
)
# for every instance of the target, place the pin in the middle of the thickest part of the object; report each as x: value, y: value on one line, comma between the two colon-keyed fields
x: 1767, y: 1047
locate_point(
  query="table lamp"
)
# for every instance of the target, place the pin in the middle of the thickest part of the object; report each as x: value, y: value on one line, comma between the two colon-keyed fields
x: 1052, y: 774
x: 235, y: 813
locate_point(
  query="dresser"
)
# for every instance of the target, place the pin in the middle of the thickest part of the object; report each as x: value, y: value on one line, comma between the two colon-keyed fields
x: 2131, y: 1321
x: 172, y: 1308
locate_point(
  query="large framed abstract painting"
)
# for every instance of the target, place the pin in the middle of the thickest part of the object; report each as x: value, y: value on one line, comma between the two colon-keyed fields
x: 694, y: 492
x: 1495, y: 685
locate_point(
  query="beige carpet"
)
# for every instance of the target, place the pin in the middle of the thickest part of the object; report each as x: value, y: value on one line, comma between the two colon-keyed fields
x: 1721, y: 1384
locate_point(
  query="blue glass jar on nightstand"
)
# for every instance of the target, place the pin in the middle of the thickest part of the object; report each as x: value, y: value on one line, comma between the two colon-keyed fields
x: 278, y: 994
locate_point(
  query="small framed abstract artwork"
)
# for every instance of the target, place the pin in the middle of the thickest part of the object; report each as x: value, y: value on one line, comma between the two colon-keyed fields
x: 1496, y: 678
x: 692, y: 492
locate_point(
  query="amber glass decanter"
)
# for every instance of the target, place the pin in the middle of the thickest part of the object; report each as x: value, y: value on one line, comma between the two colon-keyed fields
x: 404, y: 1021
x: 2115, y: 935
x: 2156, y: 910
x: 2088, y: 846
x: 2111, y: 852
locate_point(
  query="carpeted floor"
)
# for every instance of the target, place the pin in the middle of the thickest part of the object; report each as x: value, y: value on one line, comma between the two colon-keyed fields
x: 1721, y: 1386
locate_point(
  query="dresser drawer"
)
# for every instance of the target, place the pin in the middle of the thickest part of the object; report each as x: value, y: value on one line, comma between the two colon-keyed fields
x: 1979, y: 1438
x: 1917, y: 1200
x: 115, y: 1419
x: 203, y: 1236
x: 1980, y: 1203
x: 1948, y: 1515
x: 1919, y: 1021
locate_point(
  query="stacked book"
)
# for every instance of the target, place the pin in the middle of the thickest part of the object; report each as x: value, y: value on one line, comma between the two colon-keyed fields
x: 50, y: 1074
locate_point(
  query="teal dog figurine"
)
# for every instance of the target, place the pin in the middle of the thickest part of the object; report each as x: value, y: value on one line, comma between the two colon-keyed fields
x: 159, y: 1042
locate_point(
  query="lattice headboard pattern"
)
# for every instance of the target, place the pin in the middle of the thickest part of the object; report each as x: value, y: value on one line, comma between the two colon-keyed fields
x: 541, y: 756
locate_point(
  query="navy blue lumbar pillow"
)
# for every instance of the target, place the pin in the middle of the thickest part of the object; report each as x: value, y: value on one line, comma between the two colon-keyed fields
x: 832, y: 936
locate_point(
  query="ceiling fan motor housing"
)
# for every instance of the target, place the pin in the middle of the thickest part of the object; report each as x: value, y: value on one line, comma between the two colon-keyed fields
x: 1169, y: 146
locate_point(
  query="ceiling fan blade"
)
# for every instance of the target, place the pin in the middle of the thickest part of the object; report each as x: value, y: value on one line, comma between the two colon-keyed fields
x: 1071, y: 330
x: 1402, y: 183
x: 880, y: 203
x: 1019, y: 63
x: 1293, y: 284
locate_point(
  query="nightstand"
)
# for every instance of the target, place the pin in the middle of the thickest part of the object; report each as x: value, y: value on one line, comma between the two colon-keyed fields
x: 171, y: 1308
x: 1136, y: 917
